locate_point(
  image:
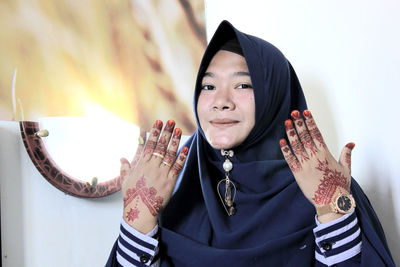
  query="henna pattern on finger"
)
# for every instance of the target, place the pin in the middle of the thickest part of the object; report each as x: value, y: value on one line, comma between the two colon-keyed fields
x: 161, y: 145
x: 298, y: 150
x: 149, y: 148
x: 147, y: 195
x: 169, y: 156
x: 174, y: 142
x: 176, y: 138
x: 291, y: 160
x: 169, y: 126
x: 176, y: 168
x: 299, y: 123
x: 308, y: 142
x: 293, y: 163
x: 332, y: 179
x: 314, y: 132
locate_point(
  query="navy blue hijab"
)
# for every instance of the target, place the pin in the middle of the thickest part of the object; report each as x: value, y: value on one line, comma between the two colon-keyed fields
x: 272, y: 214
x: 274, y: 221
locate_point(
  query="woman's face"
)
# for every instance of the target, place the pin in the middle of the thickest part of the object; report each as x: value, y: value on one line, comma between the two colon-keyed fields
x: 226, y: 106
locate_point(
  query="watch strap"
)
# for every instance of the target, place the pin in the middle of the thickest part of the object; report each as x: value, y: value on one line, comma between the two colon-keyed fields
x: 322, y: 210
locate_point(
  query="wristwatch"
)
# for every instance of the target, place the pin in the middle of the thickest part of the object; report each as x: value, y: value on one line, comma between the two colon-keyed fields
x: 342, y: 203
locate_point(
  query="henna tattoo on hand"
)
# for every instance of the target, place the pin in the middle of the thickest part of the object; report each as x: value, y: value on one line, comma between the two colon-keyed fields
x: 291, y: 160
x: 133, y: 214
x: 161, y: 145
x: 149, y: 148
x: 308, y: 142
x: 176, y: 168
x: 299, y: 151
x: 348, y: 160
x: 147, y: 195
x: 176, y: 137
x: 315, y: 133
x: 293, y: 163
x: 332, y: 179
x: 169, y: 156
x: 169, y: 126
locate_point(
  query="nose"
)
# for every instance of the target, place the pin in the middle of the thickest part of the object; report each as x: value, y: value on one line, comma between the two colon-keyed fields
x: 223, y: 100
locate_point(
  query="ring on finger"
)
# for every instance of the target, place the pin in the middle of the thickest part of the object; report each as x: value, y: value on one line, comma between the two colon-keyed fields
x: 166, y: 163
x: 158, y: 155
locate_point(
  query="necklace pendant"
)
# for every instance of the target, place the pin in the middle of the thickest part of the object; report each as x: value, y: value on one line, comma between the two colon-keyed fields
x: 228, y: 201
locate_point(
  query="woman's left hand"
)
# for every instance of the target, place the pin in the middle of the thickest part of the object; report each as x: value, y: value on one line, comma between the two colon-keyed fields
x: 316, y: 171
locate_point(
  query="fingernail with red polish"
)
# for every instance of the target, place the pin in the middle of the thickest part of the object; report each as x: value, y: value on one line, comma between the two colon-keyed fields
x: 158, y: 124
x: 282, y: 142
x: 307, y: 113
x: 350, y: 145
x: 177, y: 133
x: 288, y: 124
x: 185, y: 150
x: 170, y: 125
x: 295, y: 114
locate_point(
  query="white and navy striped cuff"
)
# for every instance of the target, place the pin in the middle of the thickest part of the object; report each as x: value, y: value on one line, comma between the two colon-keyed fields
x: 338, y: 240
x: 135, y: 248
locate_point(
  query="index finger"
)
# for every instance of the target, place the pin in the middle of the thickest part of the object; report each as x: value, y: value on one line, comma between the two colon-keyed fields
x: 152, y: 140
x: 178, y: 165
x: 313, y: 129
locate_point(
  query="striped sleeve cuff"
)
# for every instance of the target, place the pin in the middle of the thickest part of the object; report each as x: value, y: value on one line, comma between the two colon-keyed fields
x: 135, y: 248
x: 338, y: 240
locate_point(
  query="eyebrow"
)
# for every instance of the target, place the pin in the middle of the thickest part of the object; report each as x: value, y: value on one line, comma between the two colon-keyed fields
x: 241, y: 73
x: 238, y: 73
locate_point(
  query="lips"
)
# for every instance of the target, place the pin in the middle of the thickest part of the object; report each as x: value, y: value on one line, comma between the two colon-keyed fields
x: 222, y: 123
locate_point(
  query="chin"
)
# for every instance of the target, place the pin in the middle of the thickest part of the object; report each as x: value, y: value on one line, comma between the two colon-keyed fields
x: 222, y: 144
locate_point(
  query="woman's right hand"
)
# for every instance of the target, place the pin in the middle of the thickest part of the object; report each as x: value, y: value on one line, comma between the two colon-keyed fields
x: 148, y: 182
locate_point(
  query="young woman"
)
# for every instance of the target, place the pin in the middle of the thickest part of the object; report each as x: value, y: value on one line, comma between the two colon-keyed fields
x: 239, y: 193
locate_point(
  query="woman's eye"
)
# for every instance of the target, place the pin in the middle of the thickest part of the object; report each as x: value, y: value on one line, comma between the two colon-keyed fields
x: 207, y: 87
x: 245, y: 86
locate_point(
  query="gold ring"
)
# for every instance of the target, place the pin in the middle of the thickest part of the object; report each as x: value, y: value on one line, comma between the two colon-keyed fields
x: 158, y: 155
x: 166, y: 163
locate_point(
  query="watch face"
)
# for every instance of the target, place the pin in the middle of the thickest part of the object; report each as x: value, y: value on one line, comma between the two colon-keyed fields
x: 344, y: 203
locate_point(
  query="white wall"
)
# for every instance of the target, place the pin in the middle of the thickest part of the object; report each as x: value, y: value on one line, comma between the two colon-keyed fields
x: 346, y: 54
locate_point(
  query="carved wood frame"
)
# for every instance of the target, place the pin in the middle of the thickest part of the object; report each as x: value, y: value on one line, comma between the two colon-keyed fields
x: 54, y: 175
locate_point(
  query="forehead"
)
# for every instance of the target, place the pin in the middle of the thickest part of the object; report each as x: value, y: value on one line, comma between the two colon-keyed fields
x: 224, y: 61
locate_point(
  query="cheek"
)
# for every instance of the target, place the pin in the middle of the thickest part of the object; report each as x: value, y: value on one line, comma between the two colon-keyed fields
x: 201, y: 108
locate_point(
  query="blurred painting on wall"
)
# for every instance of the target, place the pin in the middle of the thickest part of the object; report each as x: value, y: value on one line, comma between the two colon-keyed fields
x: 134, y: 59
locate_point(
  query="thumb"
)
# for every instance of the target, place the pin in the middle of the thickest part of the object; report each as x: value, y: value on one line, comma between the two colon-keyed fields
x: 345, y: 156
x: 125, y: 168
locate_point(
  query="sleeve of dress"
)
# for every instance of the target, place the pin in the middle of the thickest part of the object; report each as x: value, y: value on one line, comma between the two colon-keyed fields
x: 134, y: 248
x: 338, y: 241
